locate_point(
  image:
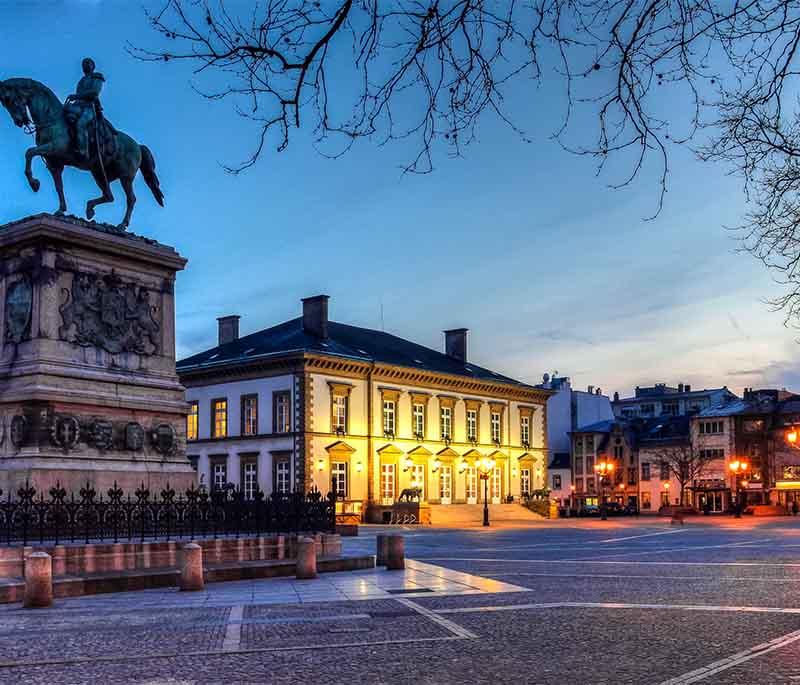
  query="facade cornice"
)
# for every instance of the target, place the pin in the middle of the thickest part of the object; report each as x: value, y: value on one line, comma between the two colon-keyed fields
x: 291, y: 362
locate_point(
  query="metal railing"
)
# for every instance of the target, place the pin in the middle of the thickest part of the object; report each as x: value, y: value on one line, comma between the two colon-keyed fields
x: 30, y: 517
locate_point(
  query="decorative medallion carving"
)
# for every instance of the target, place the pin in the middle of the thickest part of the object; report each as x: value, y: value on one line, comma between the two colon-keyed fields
x: 18, y: 431
x: 134, y: 437
x: 18, y: 307
x: 65, y: 432
x: 164, y: 439
x: 101, y: 434
x: 105, y: 312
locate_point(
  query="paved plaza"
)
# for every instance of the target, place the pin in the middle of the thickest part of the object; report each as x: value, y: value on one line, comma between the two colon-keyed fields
x: 623, y: 601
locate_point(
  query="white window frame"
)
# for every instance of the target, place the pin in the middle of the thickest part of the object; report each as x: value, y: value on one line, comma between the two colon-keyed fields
x: 339, y: 478
x: 471, y: 485
x: 472, y: 424
x: 389, y: 417
x: 283, y: 414
x: 283, y: 477
x: 250, y: 479
x: 417, y: 478
x: 418, y: 411
x: 339, y: 412
x: 388, y: 479
x: 219, y: 469
x: 445, y: 484
x: 525, y: 429
x: 525, y: 481
x: 496, y: 426
x: 446, y: 423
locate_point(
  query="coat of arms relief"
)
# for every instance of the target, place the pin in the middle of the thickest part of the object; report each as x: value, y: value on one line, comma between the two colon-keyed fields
x: 104, y: 311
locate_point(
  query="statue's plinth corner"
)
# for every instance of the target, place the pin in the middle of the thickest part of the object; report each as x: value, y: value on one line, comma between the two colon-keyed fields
x: 71, y: 229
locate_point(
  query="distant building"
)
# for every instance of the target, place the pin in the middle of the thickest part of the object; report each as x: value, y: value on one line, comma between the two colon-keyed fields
x: 567, y: 410
x: 315, y: 404
x: 663, y: 400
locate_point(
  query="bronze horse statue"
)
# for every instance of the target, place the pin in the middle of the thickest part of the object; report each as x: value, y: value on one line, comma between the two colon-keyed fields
x: 32, y: 104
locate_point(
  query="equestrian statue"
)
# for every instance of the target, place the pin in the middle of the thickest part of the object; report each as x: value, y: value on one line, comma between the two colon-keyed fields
x: 77, y: 134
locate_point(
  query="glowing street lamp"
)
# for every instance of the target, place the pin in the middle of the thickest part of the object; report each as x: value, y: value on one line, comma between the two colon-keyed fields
x: 738, y: 469
x: 603, y: 469
x: 485, y: 467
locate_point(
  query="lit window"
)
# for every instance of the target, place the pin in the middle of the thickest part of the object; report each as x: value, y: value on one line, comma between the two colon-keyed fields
x: 220, y: 413
x: 282, y: 412
x: 250, y: 415
x: 495, y: 426
x: 556, y: 482
x: 339, y: 413
x: 419, y: 420
x: 191, y: 421
x: 525, y: 481
x: 388, y: 417
x: 525, y: 429
x: 387, y: 483
x: 472, y: 425
x: 339, y: 478
x: 418, y: 479
x: 446, y: 423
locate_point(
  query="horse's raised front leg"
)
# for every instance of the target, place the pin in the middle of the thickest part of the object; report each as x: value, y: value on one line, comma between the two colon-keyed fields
x: 130, y: 196
x: 30, y: 153
x: 56, y: 171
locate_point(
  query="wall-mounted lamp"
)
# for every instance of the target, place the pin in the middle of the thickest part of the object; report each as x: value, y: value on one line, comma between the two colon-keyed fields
x: 407, y: 463
x: 437, y: 464
x: 359, y: 466
x: 321, y: 465
x: 462, y: 466
x: 514, y: 471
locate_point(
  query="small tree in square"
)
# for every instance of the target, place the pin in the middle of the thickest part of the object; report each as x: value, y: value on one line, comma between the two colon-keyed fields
x: 685, y: 463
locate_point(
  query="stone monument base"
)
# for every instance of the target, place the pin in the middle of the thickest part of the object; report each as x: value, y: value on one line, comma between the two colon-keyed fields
x: 88, y: 388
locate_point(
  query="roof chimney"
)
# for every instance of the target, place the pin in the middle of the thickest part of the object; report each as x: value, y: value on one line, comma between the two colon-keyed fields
x: 228, y: 329
x: 680, y: 387
x: 455, y: 343
x: 315, y: 316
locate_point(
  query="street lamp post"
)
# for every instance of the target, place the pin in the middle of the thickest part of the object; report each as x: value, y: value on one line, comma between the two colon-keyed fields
x: 603, y: 470
x: 485, y: 467
x: 738, y: 469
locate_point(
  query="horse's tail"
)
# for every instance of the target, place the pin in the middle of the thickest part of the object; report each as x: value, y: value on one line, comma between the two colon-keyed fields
x: 148, y: 169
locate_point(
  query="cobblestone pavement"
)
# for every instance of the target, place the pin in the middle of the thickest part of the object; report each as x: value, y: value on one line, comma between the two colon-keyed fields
x: 576, y: 602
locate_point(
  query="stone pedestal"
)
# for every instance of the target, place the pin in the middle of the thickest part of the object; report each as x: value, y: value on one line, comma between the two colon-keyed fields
x: 88, y: 389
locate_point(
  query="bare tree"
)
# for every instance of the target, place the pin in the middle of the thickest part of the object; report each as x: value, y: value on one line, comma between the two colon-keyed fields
x: 684, y: 462
x: 426, y: 71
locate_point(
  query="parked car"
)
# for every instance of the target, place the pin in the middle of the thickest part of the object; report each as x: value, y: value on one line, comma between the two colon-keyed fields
x: 614, y: 509
x: 590, y: 510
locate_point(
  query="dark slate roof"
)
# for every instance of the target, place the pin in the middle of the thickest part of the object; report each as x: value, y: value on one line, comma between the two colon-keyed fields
x: 346, y: 341
x: 598, y: 427
x: 560, y: 460
x: 667, y: 397
x: 664, y: 430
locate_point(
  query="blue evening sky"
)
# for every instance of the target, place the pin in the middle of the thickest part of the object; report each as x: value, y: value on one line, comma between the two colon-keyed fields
x: 523, y: 244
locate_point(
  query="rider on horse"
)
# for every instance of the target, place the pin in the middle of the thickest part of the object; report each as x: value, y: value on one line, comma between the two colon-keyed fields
x: 83, y: 108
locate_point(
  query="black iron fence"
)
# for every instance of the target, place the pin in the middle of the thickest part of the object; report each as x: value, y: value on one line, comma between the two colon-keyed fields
x: 31, y: 517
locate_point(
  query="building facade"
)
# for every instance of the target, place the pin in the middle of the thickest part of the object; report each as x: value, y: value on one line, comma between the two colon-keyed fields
x: 312, y: 403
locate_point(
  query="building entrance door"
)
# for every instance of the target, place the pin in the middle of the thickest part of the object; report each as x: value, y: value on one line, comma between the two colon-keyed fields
x: 472, y: 485
x: 446, y: 484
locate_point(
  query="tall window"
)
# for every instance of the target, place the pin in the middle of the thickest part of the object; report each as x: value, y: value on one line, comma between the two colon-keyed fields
x: 446, y: 422
x: 472, y: 483
x: 191, y: 420
x: 419, y: 420
x: 579, y: 465
x: 283, y: 413
x: 525, y: 481
x: 664, y: 470
x: 418, y: 479
x: 495, y: 426
x: 219, y: 474
x: 646, y: 470
x: 249, y: 479
x: 665, y: 498
x: 340, y: 413
x: 219, y: 415
x: 282, y: 477
x: 388, y: 417
x: 387, y: 483
x: 249, y: 414
x: 645, y: 500
x: 631, y: 475
x: 556, y: 481
x: 618, y: 453
x: 525, y: 429
x: 588, y: 443
x: 339, y: 478
x: 472, y: 425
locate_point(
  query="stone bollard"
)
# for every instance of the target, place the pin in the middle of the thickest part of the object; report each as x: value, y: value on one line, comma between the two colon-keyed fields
x: 38, y: 581
x: 396, y: 553
x: 381, y: 549
x: 192, y: 568
x: 306, y: 567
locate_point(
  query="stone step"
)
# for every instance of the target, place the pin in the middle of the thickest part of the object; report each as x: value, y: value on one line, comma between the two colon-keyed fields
x: 12, y: 589
x: 462, y: 515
